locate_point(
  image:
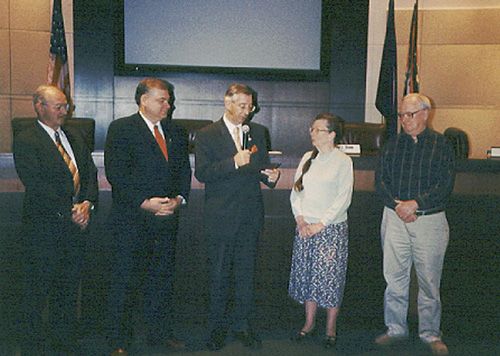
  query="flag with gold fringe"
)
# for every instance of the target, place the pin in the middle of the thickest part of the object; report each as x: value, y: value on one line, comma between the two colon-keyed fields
x: 58, y: 70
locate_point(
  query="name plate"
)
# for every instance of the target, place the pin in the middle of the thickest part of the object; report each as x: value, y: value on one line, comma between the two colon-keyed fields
x: 350, y: 148
x: 495, y: 152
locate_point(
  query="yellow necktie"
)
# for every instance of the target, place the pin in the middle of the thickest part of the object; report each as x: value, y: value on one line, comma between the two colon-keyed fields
x: 71, y: 166
x: 236, y: 138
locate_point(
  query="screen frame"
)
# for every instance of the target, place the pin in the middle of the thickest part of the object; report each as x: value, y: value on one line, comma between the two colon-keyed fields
x: 136, y: 69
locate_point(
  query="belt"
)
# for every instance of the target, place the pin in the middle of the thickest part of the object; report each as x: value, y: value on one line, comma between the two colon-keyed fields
x: 428, y: 211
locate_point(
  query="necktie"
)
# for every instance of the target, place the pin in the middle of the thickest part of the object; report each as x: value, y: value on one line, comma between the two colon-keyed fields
x: 236, y: 138
x: 161, y: 142
x: 71, y: 166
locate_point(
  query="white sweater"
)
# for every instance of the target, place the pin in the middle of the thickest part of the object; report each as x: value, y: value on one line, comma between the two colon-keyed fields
x: 327, y: 189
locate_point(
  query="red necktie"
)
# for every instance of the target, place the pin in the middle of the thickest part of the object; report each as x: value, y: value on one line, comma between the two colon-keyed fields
x: 71, y: 166
x: 161, y: 142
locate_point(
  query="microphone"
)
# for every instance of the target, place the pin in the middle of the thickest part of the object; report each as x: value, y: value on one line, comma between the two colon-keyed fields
x: 246, y: 136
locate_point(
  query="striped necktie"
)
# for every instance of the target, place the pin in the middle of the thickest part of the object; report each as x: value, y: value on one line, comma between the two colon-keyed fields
x: 71, y: 165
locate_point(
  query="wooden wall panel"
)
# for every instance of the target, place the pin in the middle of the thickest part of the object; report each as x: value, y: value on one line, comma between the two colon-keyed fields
x: 29, y: 15
x: 30, y: 56
x: 5, y: 137
x: 4, y: 62
x: 462, y: 75
x: 461, y: 27
x: 4, y: 15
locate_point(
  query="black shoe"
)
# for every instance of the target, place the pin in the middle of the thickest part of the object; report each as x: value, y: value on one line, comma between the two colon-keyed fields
x: 248, y: 339
x: 329, y: 342
x: 302, y: 335
x: 217, y: 340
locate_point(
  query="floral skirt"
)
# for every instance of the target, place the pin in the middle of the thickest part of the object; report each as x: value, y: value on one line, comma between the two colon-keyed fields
x: 319, y: 266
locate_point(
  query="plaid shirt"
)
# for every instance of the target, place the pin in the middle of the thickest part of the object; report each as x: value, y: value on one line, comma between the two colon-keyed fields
x: 423, y: 170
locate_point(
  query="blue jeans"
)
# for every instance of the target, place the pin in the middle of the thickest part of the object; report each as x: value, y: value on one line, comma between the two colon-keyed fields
x: 422, y: 243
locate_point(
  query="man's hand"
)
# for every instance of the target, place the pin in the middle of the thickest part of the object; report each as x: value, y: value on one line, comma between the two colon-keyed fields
x: 242, y: 158
x: 161, y: 206
x: 406, y: 210
x: 170, y: 206
x: 80, y: 214
x: 272, y: 174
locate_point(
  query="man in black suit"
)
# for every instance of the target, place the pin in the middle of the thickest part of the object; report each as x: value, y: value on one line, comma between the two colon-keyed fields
x: 147, y: 164
x: 234, y: 211
x: 60, y: 178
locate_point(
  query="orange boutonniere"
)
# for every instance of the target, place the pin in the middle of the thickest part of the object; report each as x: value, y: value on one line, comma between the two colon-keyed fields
x: 254, y: 149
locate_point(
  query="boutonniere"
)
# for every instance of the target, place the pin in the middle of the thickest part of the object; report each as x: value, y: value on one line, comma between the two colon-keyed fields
x: 254, y: 149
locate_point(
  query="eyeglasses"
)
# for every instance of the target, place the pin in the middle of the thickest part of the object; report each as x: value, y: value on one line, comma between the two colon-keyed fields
x: 59, y: 107
x: 251, y: 108
x: 243, y: 107
x: 408, y: 115
x: 315, y: 129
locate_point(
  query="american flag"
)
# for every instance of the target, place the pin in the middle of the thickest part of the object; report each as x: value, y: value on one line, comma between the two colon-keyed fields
x: 58, y: 71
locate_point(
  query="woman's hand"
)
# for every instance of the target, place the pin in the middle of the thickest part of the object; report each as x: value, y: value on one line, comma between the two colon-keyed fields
x: 315, y: 228
x: 302, y: 226
x: 307, y: 230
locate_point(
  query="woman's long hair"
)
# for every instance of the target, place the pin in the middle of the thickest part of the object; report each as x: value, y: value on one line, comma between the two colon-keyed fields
x: 334, y: 123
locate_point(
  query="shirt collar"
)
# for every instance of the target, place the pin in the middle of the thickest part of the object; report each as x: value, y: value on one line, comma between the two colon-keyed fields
x: 50, y: 131
x: 421, y: 135
x: 229, y: 124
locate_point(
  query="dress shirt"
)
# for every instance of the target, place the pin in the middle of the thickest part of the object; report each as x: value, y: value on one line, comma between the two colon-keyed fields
x: 64, y: 140
x: 151, y: 126
x: 230, y: 126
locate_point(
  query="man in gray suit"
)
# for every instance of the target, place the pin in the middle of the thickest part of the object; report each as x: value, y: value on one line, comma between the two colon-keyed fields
x: 234, y: 211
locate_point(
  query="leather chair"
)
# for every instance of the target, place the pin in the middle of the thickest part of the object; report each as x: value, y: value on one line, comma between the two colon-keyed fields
x: 85, y: 126
x: 459, y: 140
x: 191, y: 126
x: 371, y: 137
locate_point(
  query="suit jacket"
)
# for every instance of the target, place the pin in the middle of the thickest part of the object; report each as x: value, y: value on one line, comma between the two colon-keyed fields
x: 46, y: 177
x: 229, y: 192
x: 136, y: 167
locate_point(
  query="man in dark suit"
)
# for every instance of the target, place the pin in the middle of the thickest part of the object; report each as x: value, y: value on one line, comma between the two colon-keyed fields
x: 60, y: 178
x: 147, y: 164
x: 234, y: 212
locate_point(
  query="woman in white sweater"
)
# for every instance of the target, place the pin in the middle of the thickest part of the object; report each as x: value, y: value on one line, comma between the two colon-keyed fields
x: 320, y: 198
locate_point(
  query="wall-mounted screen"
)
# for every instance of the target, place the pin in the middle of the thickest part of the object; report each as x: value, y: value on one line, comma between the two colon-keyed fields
x: 222, y: 36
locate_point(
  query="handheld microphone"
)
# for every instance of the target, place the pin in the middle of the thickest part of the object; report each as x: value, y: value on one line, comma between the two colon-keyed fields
x: 246, y: 134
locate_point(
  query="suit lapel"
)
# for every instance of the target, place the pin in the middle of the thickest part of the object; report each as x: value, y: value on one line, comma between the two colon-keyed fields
x: 48, y: 146
x: 165, y: 125
x: 75, y: 147
x: 225, y: 137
